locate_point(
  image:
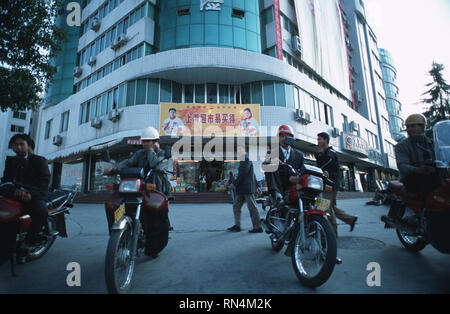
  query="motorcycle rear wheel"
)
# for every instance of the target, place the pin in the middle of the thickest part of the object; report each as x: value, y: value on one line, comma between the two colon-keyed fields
x: 119, y: 266
x: 321, y: 249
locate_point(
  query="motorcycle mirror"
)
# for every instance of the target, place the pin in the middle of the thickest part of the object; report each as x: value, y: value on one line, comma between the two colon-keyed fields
x: 105, y: 156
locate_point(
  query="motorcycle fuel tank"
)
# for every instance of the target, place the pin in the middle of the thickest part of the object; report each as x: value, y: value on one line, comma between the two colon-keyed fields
x: 10, y: 210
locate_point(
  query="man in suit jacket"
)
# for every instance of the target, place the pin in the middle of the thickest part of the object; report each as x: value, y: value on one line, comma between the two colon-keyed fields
x: 278, y: 178
x: 32, y: 171
x: 246, y: 187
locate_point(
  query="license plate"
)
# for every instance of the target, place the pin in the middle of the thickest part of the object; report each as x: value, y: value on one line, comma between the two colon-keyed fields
x: 118, y: 214
x: 322, y: 203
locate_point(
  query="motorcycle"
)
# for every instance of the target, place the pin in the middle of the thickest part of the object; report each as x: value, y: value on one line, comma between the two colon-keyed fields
x: 420, y: 222
x: 301, y: 221
x: 15, y: 223
x: 134, y: 208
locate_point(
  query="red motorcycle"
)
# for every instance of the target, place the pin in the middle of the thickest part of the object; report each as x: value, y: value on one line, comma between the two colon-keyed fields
x: 419, y: 222
x: 15, y: 223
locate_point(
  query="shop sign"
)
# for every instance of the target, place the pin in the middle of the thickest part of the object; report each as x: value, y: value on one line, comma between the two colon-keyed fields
x: 210, y: 5
x: 210, y: 119
x: 278, y: 29
x: 355, y: 144
x: 376, y: 156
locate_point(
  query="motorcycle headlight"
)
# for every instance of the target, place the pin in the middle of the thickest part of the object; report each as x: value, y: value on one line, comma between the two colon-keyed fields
x: 129, y: 186
x: 315, y: 183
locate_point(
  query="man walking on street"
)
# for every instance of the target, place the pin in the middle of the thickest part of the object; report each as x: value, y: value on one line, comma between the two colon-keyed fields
x: 246, y: 188
x: 328, y: 161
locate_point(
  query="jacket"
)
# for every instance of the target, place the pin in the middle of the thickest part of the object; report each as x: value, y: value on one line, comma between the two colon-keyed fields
x: 32, y: 172
x: 150, y: 160
x: 246, y: 180
x: 328, y: 161
x: 412, y: 152
x: 296, y: 159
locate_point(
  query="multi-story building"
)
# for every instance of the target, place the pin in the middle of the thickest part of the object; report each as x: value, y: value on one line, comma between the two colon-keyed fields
x: 13, y: 122
x: 217, y: 63
x: 369, y: 97
x: 394, y: 106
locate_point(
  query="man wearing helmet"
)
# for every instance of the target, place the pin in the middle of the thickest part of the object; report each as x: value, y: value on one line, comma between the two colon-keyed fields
x: 413, y: 155
x: 154, y: 158
x: 279, y: 179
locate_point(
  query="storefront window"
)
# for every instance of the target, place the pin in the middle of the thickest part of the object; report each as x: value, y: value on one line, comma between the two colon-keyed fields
x: 166, y: 91
x: 186, y: 179
x: 71, y: 175
x: 176, y: 92
x: 246, y: 98
x: 200, y: 93
x: 188, y: 94
x: 224, y: 94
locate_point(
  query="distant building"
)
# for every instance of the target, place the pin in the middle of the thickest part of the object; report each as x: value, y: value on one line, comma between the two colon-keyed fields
x: 394, y: 106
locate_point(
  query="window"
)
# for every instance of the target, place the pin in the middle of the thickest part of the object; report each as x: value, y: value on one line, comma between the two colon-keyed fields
x: 64, y: 122
x: 166, y: 92
x: 257, y: 93
x: 48, y: 128
x: 280, y: 94
x: 224, y: 97
x: 141, y: 92
x: 246, y: 93
x: 17, y: 128
x: 188, y: 94
x: 183, y: 11
x: 152, y: 91
x: 177, y: 91
x: 20, y: 115
x: 84, y: 112
x: 200, y: 93
x: 238, y: 13
x: 269, y: 95
x: 212, y: 93
x: 131, y: 91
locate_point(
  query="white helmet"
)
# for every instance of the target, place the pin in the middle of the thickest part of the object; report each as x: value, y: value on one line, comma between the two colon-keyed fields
x: 150, y: 133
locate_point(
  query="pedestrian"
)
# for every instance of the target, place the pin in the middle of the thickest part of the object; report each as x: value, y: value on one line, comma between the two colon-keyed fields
x: 231, y: 190
x: 202, y: 179
x: 246, y: 187
x: 328, y: 161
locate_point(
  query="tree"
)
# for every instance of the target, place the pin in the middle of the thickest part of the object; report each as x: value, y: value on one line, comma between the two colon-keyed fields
x: 29, y: 39
x: 438, y: 98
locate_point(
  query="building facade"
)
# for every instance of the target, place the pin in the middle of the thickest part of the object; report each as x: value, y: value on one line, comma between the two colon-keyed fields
x: 394, y: 106
x: 212, y: 62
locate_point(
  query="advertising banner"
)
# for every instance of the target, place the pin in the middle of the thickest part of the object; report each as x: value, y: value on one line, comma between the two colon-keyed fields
x: 177, y: 119
x: 279, y: 37
x: 323, y: 41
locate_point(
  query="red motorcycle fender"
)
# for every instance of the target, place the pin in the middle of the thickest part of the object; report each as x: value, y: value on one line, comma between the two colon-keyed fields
x: 315, y: 212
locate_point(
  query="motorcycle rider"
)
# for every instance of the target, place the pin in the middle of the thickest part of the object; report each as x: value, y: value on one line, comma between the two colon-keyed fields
x: 32, y: 171
x: 277, y: 180
x: 150, y: 157
x: 413, y: 155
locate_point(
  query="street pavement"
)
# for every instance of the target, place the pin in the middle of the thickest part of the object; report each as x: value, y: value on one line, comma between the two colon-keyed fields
x: 203, y: 258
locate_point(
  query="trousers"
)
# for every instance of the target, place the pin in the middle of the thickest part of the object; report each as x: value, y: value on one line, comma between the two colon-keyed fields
x: 239, y: 201
x: 336, y: 212
x: 37, y: 209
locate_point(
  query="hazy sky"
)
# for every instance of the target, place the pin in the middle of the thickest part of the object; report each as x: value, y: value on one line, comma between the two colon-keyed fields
x: 416, y: 33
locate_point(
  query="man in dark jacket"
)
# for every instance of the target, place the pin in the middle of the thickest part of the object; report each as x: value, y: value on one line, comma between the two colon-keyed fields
x: 32, y: 171
x: 246, y: 187
x: 412, y: 155
x: 328, y: 161
x: 278, y: 180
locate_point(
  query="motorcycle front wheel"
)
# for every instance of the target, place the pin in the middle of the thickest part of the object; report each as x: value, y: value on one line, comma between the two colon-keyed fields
x: 42, y: 248
x: 314, y: 263
x: 119, y: 266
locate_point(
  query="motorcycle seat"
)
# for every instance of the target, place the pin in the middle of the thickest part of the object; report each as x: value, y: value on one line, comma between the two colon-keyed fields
x: 396, y: 186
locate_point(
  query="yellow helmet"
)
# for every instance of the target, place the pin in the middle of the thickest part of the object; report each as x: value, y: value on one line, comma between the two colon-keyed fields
x: 416, y: 118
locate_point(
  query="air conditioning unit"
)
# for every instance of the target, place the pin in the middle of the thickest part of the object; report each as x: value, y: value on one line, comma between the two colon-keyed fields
x: 296, y: 45
x: 95, y: 25
x: 114, y: 115
x: 302, y: 117
x: 96, y: 123
x: 77, y: 71
x: 335, y: 132
x: 57, y: 140
x: 123, y: 39
x: 115, y: 44
x: 92, y: 60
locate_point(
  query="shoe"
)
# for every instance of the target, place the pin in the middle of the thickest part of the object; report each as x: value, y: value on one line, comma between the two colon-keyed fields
x: 170, y: 228
x: 255, y: 230
x: 338, y: 261
x: 352, y: 225
x: 234, y: 229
